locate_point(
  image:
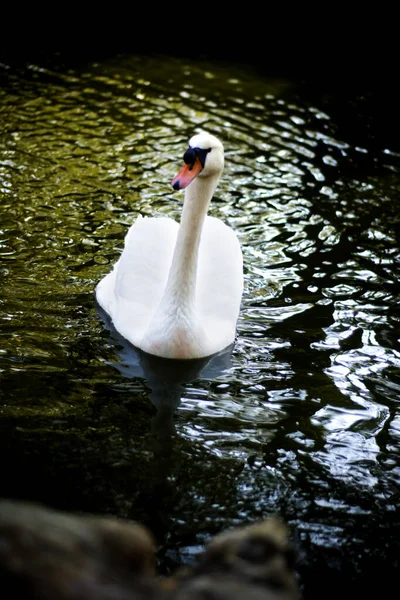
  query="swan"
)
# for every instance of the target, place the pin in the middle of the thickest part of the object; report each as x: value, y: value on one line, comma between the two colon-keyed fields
x: 175, y: 291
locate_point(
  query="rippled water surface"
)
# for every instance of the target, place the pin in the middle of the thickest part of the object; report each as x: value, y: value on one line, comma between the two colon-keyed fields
x: 303, y: 418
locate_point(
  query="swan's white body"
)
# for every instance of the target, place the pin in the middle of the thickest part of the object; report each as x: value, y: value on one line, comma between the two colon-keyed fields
x: 176, y: 289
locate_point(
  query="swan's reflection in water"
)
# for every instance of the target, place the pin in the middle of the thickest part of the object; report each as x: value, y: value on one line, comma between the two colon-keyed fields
x: 165, y: 378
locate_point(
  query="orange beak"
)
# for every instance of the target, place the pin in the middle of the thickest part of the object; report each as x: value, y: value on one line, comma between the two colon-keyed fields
x: 186, y: 175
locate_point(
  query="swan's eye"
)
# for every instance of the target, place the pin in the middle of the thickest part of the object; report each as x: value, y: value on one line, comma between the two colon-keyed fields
x: 192, y: 153
x: 189, y: 157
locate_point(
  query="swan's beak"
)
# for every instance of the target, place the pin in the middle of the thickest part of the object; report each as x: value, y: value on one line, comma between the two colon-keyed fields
x: 186, y: 175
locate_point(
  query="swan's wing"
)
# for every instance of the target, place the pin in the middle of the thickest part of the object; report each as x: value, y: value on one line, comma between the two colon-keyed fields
x: 132, y: 291
x: 220, y: 275
x: 144, y: 264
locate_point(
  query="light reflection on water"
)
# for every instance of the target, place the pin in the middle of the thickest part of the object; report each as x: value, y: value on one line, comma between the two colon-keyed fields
x: 308, y: 401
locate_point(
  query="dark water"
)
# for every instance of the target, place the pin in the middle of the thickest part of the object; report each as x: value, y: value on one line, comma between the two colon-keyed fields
x: 302, y: 419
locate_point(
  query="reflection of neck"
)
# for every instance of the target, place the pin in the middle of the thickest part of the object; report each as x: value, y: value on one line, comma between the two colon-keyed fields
x: 181, y: 285
x: 165, y: 393
x: 166, y: 397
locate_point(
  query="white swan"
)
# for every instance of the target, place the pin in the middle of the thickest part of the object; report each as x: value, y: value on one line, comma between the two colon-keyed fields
x: 176, y: 289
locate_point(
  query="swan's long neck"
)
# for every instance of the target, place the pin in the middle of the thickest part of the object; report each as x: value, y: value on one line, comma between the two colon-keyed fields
x: 181, y: 285
x: 175, y: 330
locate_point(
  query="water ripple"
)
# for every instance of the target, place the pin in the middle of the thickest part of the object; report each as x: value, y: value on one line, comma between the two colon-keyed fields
x: 312, y: 394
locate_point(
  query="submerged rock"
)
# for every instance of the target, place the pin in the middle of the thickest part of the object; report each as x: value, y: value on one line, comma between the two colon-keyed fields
x: 46, y: 555
x: 250, y: 563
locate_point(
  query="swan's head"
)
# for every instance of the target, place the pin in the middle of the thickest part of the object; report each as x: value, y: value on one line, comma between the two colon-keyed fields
x: 204, y: 157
